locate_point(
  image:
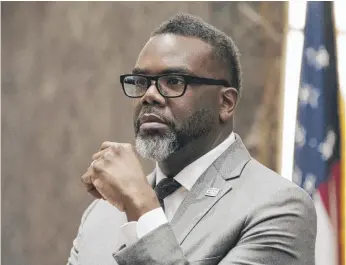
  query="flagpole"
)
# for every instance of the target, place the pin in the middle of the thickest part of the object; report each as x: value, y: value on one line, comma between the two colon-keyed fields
x: 282, y: 90
x: 293, y: 46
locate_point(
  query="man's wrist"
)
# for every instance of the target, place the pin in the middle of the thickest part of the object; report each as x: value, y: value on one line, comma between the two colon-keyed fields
x: 136, y: 206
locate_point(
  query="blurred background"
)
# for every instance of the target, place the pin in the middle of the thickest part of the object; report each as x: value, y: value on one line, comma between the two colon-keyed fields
x: 61, y: 98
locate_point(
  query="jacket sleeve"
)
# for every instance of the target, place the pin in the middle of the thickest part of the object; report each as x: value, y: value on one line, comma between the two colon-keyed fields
x: 281, y: 230
x: 156, y: 248
x: 73, y: 259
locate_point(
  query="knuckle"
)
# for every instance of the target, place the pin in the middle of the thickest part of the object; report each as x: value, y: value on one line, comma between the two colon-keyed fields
x: 85, y: 178
x: 115, y: 148
x: 105, y: 144
x: 128, y: 146
x: 94, y: 157
x: 108, y: 155
x: 96, y: 165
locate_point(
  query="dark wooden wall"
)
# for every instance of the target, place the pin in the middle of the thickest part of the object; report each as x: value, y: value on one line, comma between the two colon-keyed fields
x: 61, y: 99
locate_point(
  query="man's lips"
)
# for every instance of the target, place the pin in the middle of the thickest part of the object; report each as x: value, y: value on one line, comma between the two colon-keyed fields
x: 151, y: 122
x: 150, y: 118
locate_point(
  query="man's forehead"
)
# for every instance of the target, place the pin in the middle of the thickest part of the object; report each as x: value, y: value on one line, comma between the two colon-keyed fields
x: 172, y: 42
x: 171, y: 51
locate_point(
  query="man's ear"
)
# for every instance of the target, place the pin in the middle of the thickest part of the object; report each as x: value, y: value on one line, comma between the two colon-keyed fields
x: 228, y: 100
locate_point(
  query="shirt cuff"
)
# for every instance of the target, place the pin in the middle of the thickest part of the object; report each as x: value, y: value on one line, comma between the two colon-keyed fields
x: 129, y: 231
x: 150, y: 221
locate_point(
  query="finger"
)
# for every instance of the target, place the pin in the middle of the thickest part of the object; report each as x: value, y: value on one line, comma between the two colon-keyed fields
x: 93, y: 172
x: 101, y: 188
x: 99, y: 154
x: 107, y: 144
x: 86, y: 177
x: 107, y: 193
x: 94, y: 192
x: 96, y: 167
x: 87, y: 182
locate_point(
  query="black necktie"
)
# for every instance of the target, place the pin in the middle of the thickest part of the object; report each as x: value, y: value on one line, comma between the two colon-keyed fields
x: 165, y: 188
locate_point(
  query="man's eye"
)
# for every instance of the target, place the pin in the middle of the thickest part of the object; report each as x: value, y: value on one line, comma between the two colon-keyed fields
x: 175, y: 81
x: 140, y: 82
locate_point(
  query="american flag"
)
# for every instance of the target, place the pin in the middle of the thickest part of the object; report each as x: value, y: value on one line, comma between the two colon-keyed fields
x: 317, y: 166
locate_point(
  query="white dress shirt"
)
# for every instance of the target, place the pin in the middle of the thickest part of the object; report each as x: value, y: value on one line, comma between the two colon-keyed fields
x: 132, y: 231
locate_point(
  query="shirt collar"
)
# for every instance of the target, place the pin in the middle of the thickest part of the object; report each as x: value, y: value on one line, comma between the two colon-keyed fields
x: 189, y: 175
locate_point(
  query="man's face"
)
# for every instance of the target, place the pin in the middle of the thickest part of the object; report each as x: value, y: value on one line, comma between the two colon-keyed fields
x: 165, y: 125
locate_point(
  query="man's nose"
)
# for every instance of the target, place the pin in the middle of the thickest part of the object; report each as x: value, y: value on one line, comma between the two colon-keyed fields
x: 152, y: 96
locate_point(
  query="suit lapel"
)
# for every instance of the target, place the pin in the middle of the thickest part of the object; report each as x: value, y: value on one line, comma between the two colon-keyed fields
x: 218, y: 176
x: 196, y: 204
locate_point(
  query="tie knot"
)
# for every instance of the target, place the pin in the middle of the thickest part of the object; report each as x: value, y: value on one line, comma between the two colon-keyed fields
x: 165, y: 188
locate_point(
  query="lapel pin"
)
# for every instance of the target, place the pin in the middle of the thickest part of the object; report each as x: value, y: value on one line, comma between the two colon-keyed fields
x: 212, y: 192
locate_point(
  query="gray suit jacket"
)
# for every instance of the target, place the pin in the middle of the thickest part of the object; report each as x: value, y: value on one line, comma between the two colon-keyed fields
x: 257, y: 218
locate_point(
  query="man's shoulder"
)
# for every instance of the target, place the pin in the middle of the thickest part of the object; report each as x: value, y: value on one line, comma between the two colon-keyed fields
x: 264, y: 176
x: 266, y: 183
x: 263, y: 193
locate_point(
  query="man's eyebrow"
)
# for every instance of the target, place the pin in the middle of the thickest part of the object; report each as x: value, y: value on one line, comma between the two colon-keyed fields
x: 173, y: 70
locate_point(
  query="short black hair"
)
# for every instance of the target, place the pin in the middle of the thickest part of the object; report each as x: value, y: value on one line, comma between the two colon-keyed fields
x: 225, y: 51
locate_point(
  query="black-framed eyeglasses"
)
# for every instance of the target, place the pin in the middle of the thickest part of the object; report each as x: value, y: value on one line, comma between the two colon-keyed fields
x: 168, y: 85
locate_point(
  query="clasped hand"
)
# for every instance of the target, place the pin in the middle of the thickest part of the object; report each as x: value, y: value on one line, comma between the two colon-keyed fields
x: 116, y: 175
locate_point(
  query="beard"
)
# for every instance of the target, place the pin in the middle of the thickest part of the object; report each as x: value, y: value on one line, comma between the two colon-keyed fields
x: 157, y: 147
x: 160, y: 146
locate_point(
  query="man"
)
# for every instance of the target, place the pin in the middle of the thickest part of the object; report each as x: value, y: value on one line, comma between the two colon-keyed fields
x: 207, y: 201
